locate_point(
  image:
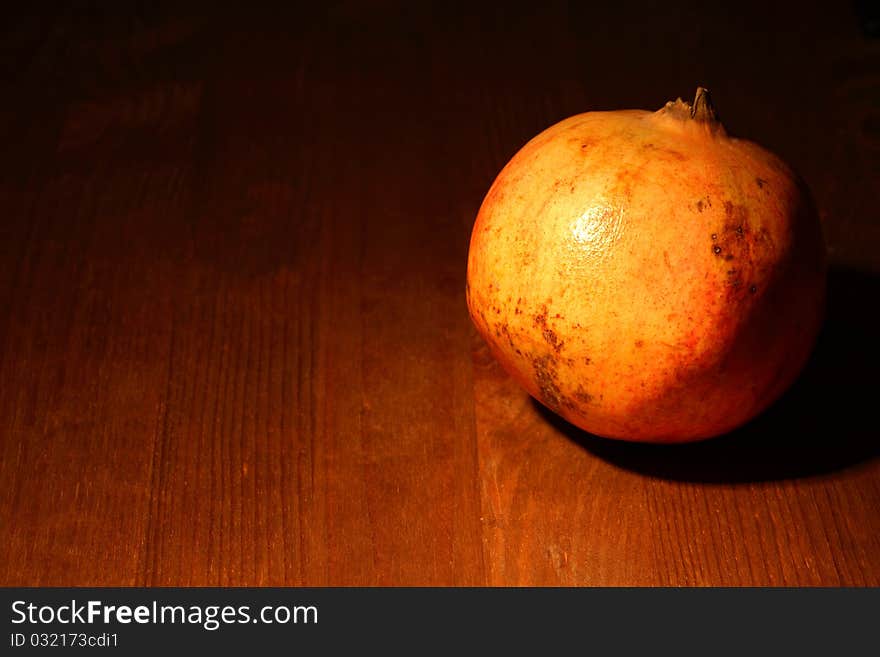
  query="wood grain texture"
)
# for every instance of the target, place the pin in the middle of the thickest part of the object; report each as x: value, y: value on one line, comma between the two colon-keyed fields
x: 234, y: 348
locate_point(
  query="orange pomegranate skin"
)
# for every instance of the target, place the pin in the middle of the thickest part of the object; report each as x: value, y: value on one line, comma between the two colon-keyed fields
x: 647, y: 276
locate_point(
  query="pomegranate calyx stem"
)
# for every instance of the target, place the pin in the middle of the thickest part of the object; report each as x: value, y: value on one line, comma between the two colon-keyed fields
x: 703, y: 109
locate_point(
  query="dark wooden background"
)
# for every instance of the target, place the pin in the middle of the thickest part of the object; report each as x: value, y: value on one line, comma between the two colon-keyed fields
x: 234, y: 347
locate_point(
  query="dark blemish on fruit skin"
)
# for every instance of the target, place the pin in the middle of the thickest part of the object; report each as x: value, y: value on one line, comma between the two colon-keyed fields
x: 548, y: 387
x: 753, y: 289
x: 700, y: 205
x: 583, y: 396
x: 548, y: 333
x: 737, y: 216
x: 639, y: 343
x: 504, y: 329
x: 760, y: 182
x: 585, y: 144
x: 735, y: 240
x: 552, y: 339
x: 665, y: 151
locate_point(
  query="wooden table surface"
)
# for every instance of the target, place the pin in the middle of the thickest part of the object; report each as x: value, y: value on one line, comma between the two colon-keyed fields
x: 234, y: 346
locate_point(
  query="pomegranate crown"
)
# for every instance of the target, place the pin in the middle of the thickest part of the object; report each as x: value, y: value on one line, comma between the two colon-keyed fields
x: 702, y: 111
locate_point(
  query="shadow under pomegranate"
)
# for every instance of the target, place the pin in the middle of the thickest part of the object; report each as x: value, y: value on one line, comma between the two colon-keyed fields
x: 825, y: 422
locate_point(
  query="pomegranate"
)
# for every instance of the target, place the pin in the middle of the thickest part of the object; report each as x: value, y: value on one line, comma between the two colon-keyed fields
x: 647, y: 276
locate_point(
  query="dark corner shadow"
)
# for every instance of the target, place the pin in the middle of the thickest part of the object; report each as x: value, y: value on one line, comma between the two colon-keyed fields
x: 826, y: 421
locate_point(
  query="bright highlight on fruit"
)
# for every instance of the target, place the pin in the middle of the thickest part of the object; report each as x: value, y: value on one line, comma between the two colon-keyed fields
x: 647, y: 276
